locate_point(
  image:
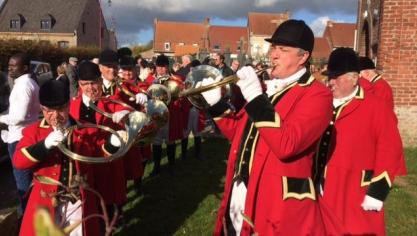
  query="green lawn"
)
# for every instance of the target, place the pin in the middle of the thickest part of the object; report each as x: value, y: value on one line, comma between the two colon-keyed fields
x: 186, y: 203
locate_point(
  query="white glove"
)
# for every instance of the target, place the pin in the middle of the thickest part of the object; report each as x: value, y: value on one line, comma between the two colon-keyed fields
x: 141, y: 98
x: 371, y: 204
x: 211, y: 96
x: 274, y: 85
x: 118, y: 116
x: 115, y: 141
x: 249, y: 83
x: 54, y: 138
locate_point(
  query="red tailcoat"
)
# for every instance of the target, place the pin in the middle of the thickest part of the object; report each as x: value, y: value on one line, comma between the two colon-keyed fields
x: 110, y: 177
x: 383, y: 90
x: 31, y: 154
x: 284, y: 146
x: 132, y: 162
x: 365, y: 155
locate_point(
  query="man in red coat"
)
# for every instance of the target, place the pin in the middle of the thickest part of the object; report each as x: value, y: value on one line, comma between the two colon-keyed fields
x: 37, y: 151
x: 380, y: 87
x: 273, y: 137
x: 173, y: 130
x: 359, y: 154
x: 110, y: 178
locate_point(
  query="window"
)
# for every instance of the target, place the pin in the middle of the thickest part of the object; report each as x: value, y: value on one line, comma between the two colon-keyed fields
x: 216, y: 47
x: 14, y: 24
x: 83, y: 27
x: 181, y: 44
x: 63, y: 44
x: 195, y: 45
x: 45, y: 24
x: 167, y: 46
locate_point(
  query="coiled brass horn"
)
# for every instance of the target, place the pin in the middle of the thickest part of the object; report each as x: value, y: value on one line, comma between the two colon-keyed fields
x: 94, y: 160
x: 159, y: 92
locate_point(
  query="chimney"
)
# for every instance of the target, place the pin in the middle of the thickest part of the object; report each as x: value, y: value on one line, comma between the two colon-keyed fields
x: 206, y: 21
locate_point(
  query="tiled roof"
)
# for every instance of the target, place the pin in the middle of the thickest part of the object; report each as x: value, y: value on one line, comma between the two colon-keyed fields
x: 340, y: 34
x: 321, y: 49
x: 181, y: 50
x: 67, y: 14
x: 227, y: 37
x: 177, y: 33
x: 265, y: 23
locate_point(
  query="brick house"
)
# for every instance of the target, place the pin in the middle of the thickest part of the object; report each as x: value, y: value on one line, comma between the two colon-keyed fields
x: 59, y: 22
x: 340, y: 34
x: 177, y: 38
x: 261, y: 26
x: 388, y: 34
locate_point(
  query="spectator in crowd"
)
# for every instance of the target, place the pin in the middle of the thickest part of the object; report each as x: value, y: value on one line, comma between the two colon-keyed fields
x: 220, y: 64
x: 235, y: 65
x: 23, y: 109
x: 72, y: 76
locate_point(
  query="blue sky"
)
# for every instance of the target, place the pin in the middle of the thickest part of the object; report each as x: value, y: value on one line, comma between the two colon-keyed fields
x: 146, y: 35
x: 133, y: 19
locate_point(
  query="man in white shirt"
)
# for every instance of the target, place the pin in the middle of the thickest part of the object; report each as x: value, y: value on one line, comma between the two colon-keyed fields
x: 23, y: 109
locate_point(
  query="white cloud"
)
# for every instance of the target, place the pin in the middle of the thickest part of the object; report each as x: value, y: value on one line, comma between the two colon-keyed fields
x: 318, y: 25
x: 265, y: 3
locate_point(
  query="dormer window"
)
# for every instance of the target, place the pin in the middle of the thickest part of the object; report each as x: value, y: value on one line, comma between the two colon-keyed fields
x: 47, y: 22
x: 14, y: 24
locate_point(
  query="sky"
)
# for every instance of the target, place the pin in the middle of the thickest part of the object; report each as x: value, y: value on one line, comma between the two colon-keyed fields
x: 133, y: 19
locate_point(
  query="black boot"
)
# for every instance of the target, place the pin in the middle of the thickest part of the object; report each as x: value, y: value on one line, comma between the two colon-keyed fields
x: 197, y: 147
x: 157, y: 153
x: 171, y: 157
x: 184, y: 145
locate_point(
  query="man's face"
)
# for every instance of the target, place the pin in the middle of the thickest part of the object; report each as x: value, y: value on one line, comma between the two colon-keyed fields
x: 342, y: 85
x: 161, y: 70
x: 128, y: 73
x: 73, y: 63
x: 235, y: 65
x: 217, y: 60
x: 16, y: 68
x: 286, y: 60
x: 56, y: 117
x: 91, y: 89
x: 108, y: 71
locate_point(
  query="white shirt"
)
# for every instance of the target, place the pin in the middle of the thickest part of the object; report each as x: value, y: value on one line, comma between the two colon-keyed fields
x: 107, y: 83
x: 24, y: 108
x: 275, y: 85
x: 339, y: 101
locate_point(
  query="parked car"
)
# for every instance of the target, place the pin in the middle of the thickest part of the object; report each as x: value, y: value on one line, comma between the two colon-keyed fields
x: 42, y: 71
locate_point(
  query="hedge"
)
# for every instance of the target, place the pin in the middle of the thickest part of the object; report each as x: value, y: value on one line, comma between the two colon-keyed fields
x: 43, y: 52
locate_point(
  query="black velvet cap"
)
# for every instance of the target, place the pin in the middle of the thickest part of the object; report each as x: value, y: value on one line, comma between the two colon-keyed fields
x: 126, y: 62
x: 108, y: 57
x: 53, y: 93
x: 365, y: 63
x: 294, y: 33
x: 88, y: 71
x: 341, y: 61
x: 162, y: 60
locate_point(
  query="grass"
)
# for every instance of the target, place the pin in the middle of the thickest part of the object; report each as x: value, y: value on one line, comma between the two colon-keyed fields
x: 401, y: 205
x: 183, y: 204
x: 186, y: 204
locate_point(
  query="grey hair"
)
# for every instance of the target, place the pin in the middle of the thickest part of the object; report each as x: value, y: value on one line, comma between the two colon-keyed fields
x: 301, y: 52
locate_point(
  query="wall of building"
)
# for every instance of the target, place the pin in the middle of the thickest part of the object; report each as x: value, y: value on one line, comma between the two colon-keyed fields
x: 397, y: 58
x: 258, y: 47
x: 52, y: 38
